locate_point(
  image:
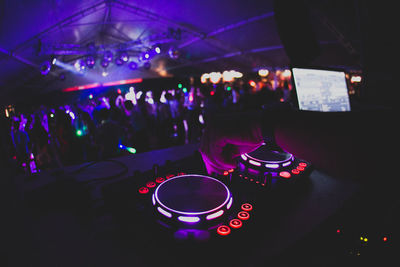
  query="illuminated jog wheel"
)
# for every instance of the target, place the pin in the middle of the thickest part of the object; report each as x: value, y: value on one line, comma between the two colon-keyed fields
x: 192, y: 198
x: 263, y: 157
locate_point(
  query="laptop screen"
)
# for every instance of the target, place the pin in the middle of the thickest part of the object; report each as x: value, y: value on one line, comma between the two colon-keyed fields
x: 321, y: 90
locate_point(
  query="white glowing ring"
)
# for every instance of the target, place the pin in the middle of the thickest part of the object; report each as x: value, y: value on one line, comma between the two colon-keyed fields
x: 224, y: 205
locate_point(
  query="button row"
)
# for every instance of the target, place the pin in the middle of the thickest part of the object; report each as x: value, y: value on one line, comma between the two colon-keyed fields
x: 236, y: 223
x: 158, y: 180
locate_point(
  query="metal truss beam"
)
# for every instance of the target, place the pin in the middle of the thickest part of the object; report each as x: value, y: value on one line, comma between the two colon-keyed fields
x: 227, y: 28
x: 71, y: 19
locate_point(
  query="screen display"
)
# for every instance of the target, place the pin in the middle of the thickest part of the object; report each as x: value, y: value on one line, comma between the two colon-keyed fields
x: 321, y: 90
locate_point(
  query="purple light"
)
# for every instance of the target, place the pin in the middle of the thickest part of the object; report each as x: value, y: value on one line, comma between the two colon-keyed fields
x: 90, y: 61
x: 45, y: 68
x: 190, y: 214
x: 228, y: 206
x: 243, y: 157
x: 189, y: 219
x: 146, y: 55
x: 108, y: 56
x: 163, y: 212
x: 215, y: 215
x: 253, y: 162
x: 272, y: 165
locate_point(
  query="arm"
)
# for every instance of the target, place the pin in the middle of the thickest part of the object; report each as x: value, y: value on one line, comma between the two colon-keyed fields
x: 356, y: 144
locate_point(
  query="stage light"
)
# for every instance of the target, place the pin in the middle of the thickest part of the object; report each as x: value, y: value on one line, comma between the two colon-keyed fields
x: 179, y: 85
x: 173, y: 53
x: 80, y: 65
x: 90, y: 61
x: 157, y: 49
x: 104, y: 63
x: 133, y: 65
x: 355, y: 79
x: 184, y: 90
x: 131, y: 150
x: 54, y: 61
x: 45, y: 68
x: 228, y: 88
x: 104, y: 74
x: 204, y: 77
x: 90, y: 96
x: 215, y: 77
x: 79, y: 133
x: 286, y: 74
x: 146, y: 55
x: 108, y: 56
x: 124, y: 56
x: 263, y: 72
x: 228, y: 76
x: 252, y: 83
x: 237, y: 74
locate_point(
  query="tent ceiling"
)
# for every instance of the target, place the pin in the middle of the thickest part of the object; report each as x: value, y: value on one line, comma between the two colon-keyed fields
x: 209, y: 35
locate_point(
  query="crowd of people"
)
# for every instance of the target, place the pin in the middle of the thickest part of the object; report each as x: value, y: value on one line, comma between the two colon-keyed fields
x: 114, y: 123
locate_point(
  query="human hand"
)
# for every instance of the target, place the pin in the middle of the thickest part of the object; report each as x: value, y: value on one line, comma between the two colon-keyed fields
x: 226, y: 138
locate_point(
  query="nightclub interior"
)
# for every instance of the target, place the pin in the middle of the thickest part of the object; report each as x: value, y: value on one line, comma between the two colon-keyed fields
x: 198, y: 133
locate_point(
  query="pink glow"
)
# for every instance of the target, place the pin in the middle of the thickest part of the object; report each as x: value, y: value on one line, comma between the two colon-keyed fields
x: 94, y: 85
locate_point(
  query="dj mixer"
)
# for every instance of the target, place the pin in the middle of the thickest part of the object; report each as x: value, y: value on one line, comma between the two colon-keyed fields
x: 180, y: 204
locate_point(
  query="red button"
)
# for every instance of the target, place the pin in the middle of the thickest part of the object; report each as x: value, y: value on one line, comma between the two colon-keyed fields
x: 223, y: 230
x: 226, y: 173
x: 285, y: 174
x: 143, y: 190
x: 247, y: 207
x: 235, y: 223
x: 300, y: 168
x: 169, y: 176
x: 151, y: 184
x: 303, y: 164
x: 243, y: 215
x: 295, y: 171
x: 160, y: 179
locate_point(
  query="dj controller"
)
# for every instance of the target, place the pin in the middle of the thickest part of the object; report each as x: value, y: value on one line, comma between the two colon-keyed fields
x: 179, y: 204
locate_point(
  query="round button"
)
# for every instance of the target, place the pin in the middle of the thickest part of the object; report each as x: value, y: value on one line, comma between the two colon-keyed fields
x: 151, y: 184
x: 243, y: 215
x: 295, y: 171
x: 143, y: 190
x: 285, y: 174
x: 160, y: 180
x: 300, y: 168
x: 303, y: 164
x: 223, y: 230
x: 235, y: 223
x: 247, y: 207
